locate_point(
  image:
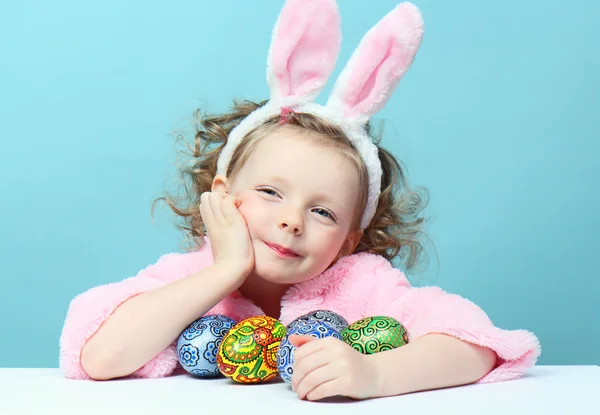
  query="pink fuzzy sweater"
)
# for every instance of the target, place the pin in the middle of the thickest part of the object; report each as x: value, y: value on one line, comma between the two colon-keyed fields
x: 357, y: 286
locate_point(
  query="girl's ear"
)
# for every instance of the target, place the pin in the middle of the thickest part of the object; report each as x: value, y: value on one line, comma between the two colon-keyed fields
x: 350, y: 243
x: 220, y: 184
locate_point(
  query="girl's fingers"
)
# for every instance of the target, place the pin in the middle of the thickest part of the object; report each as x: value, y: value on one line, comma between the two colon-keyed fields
x: 229, y: 208
x: 325, y: 390
x: 218, y: 208
x: 237, y: 202
x: 205, y: 210
x: 206, y: 213
x: 303, y: 367
x: 216, y: 200
x: 307, y: 347
x: 311, y: 382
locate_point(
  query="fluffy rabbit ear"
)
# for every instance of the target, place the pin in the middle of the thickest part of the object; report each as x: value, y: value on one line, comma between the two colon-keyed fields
x: 383, y: 56
x: 304, y: 49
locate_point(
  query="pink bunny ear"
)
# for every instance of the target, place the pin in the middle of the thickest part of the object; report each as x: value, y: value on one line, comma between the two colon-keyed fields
x: 376, y: 66
x: 304, y: 49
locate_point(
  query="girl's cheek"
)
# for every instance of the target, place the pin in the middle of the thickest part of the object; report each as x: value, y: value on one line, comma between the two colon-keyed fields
x: 249, y: 205
x: 329, y: 238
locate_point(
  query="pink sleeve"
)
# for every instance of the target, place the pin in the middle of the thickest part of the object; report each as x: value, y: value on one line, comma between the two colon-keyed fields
x: 89, y: 310
x: 431, y: 310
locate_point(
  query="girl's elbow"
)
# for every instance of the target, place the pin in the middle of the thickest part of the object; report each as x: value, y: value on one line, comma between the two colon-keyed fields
x: 96, y: 366
x: 487, y: 361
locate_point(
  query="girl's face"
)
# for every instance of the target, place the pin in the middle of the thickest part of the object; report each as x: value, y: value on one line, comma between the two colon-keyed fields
x: 298, y: 199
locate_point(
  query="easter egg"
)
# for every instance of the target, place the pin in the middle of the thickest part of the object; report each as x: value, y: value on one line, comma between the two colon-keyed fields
x: 329, y: 317
x: 304, y: 325
x: 248, y: 353
x: 198, y: 344
x: 375, y: 334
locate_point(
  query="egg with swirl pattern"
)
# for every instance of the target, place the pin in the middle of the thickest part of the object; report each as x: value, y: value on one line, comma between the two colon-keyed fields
x: 375, y: 334
x: 305, y: 325
x: 198, y: 344
x: 329, y: 317
x: 248, y: 354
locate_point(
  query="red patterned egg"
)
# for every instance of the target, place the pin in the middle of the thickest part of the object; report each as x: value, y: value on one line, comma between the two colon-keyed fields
x: 248, y: 353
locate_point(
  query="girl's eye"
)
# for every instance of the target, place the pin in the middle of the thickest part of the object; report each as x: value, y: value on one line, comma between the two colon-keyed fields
x: 268, y: 191
x: 324, y: 213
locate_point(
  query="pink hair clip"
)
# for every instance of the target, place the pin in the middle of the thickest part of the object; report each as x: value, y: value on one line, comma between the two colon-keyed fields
x: 284, y: 116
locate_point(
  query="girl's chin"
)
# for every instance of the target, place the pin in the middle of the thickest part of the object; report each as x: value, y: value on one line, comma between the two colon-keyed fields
x: 276, y: 275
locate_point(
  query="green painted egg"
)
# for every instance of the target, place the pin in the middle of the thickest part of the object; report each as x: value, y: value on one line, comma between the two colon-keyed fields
x: 375, y: 334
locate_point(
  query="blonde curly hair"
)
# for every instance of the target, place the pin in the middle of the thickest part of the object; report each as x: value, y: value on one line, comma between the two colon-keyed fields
x: 395, y: 232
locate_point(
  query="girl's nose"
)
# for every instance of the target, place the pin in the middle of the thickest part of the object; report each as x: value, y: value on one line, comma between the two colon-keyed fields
x: 291, y: 221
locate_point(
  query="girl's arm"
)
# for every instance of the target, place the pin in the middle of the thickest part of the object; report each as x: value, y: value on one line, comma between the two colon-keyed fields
x: 431, y: 362
x: 144, y: 325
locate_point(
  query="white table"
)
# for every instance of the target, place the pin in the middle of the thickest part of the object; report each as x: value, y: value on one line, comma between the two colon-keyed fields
x: 569, y: 390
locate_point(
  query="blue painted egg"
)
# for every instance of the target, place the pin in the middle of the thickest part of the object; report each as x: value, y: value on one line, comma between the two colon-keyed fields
x: 329, y: 317
x: 304, y: 325
x: 198, y: 344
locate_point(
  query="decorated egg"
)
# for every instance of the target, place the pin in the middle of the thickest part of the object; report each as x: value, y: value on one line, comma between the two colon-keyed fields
x: 248, y: 353
x: 329, y: 317
x: 375, y: 334
x: 198, y: 344
x: 304, y: 325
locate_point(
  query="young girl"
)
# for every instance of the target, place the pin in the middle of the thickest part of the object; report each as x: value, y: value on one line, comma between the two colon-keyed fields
x: 294, y: 208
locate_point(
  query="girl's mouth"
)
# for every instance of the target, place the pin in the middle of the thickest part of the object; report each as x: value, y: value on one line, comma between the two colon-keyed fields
x: 282, y: 251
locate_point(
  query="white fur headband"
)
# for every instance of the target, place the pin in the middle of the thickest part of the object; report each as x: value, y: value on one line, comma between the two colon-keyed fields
x: 304, y: 49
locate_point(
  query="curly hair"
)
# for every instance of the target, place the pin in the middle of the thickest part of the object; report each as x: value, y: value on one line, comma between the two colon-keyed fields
x: 395, y: 232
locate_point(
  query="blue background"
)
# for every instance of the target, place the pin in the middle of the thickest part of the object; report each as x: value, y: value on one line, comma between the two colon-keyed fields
x: 498, y: 118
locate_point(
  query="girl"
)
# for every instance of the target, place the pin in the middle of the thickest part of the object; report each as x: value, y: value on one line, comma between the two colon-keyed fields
x: 295, y: 208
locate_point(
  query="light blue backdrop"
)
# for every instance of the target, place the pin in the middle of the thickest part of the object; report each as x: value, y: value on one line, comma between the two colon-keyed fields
x: 498, y: 118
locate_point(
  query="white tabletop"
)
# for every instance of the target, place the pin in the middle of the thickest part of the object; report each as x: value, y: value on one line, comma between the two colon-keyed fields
x: 544, y: 390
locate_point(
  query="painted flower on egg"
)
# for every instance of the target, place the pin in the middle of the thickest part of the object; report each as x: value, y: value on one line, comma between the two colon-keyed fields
x: 198, y: 344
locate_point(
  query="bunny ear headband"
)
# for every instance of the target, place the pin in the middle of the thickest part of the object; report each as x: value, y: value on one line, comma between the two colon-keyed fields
x: 304, y: 49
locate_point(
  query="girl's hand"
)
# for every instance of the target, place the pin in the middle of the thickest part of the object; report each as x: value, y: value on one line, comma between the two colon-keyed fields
x: 328, y: 367
x: 228, y: 233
